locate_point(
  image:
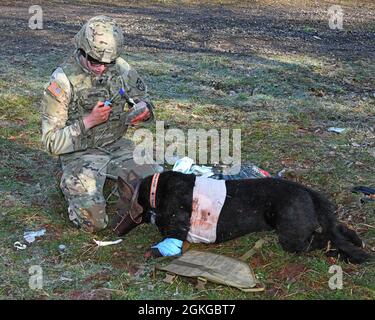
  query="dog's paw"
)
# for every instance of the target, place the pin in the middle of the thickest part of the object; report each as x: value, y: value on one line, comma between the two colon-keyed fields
x: 152, y: 253
x: 148, y: 255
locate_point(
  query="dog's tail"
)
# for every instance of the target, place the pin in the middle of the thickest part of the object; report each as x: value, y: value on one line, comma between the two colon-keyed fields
x: 345, y: 240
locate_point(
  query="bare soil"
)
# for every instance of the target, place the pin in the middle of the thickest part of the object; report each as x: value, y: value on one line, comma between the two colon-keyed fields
x: 250, y: 27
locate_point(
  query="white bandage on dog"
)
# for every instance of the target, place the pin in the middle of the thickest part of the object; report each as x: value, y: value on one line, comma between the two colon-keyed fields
x: 208, y: 200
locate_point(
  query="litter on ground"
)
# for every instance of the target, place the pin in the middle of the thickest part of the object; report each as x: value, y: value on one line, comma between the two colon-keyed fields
x: 336, y: 129
x: 19, y: 246
x: 107, y: 243
x: 30, y: 236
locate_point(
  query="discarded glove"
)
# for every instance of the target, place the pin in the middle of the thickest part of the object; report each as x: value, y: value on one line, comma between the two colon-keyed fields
x: 30, y: 236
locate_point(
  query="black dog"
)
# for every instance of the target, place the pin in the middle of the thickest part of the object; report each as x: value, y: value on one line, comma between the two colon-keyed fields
x: 303, y: 219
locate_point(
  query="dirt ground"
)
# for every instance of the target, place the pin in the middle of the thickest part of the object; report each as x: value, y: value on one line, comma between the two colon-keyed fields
x: 250, y: 27
x: 273, y: 69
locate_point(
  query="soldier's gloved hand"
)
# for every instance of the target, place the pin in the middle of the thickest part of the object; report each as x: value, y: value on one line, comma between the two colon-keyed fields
x: 98, y: 115
x: 138, y: 113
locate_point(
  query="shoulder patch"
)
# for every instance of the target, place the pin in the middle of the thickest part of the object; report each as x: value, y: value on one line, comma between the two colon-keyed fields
x: 140, y: 84
x: 55, y: 90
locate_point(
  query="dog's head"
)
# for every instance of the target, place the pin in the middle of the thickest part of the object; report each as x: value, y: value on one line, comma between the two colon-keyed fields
x: 129, y: 211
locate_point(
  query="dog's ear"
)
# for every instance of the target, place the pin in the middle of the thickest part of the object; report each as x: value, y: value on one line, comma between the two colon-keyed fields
x: 125, y: 189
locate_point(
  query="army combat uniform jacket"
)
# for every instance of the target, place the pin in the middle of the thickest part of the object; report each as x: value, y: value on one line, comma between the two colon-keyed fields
x: 89, y: 156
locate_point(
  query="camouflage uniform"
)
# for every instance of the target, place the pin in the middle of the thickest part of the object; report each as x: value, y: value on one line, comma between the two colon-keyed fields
x: 89, y: 156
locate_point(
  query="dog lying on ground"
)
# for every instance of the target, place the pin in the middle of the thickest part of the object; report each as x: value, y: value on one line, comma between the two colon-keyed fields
x: 304, y: 219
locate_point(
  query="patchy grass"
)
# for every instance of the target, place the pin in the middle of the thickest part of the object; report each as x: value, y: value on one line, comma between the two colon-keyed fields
x: 283, y: 106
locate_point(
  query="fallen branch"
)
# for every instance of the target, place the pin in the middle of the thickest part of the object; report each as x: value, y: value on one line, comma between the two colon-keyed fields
x: 258, y: 245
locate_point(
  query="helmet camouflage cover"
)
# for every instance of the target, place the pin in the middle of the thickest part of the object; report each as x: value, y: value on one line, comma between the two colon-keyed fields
x: 101, y: 38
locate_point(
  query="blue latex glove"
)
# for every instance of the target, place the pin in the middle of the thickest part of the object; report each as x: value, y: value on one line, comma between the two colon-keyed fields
x: 169, y: 247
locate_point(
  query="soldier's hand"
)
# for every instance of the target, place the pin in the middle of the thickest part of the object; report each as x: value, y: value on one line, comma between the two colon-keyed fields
x: 98, y: 115
x: 138, y: 113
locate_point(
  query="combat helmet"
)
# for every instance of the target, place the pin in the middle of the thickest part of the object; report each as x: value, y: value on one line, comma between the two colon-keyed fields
x: 101, y: 38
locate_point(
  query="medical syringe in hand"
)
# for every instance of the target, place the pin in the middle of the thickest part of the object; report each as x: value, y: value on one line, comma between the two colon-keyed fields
x: 120, y: 93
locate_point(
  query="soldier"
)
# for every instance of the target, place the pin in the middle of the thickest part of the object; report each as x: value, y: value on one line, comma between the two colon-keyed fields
x: 85, y: 116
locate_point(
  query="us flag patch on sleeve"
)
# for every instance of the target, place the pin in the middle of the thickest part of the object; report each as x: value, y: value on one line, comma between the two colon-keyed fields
x: 55, y: 90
